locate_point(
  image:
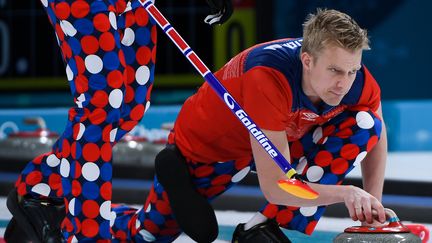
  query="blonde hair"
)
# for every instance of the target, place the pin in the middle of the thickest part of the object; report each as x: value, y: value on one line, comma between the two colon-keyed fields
x: 331, y: 27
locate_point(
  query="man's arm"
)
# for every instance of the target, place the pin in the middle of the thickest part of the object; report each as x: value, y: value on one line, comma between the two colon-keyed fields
x: 269, y: 173
x: 373, y: 166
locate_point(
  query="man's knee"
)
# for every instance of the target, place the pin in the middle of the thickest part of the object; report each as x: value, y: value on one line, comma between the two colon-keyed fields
x: 192, y: 211
x: 168, y: 160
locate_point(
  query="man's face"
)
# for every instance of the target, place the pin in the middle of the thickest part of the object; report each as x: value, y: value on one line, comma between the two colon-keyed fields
x: 329, y: 75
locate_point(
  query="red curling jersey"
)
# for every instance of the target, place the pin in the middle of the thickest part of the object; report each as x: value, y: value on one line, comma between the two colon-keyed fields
x: 266, y: 81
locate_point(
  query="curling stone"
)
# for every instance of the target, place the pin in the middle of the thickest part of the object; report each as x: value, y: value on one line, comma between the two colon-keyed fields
x: 394, y: 232
x: 420, y: 230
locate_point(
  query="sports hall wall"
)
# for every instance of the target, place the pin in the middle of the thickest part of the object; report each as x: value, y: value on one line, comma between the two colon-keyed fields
x: 32, y: 73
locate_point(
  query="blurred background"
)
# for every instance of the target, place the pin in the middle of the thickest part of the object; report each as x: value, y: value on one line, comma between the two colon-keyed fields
x: 32, y: 73
x: 34, y: 92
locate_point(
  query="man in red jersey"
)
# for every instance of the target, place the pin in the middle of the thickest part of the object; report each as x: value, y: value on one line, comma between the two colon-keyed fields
x: 318, y: 104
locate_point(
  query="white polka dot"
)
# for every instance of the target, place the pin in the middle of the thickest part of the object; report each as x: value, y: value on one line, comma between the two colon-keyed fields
x: 105, y: 210
x: 325, y: 140
x: 93, y: 64
x: 58, y: 40
x: 129, y: 7
x: 72, y: 206
x: 142, y: 75
x: 128, y: 37
x: 364, y: 120
x: 240, y: 175
x: 308, y: 211
x: 44, y: 3
x: 80, y: 99
x: 90, y: 171
x: 69, y: 73
x: 113, y: 218
x: 113, y: 134
x: 64, y: 167
x: 147, y: 106
x: 68, y: 28
x: 113, y: 20
x: 301, y: 165
x: 137, y: 224
x: 116, y: 98
x: 314, y: 173
x: 360, y: 158
x: 53, y: 161
x: 82, y: 128
x: 41, y: 189
x: 147, y: 235
x: 74, y: 239
x: 148, y: 209
x: 317, y: 134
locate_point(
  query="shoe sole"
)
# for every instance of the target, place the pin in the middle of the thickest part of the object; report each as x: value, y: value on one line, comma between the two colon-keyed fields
x: 18, y: 213
x: 193, y: 212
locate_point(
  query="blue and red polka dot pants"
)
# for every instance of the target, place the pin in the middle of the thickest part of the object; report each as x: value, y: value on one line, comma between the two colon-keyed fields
x: 325, y: 155
x: 109, y: 60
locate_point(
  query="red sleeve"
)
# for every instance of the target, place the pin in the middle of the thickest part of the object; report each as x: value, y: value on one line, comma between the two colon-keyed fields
x: 267, y: 97
x: 371, y: 95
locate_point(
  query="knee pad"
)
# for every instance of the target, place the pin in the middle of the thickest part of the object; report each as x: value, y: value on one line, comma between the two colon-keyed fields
x: 192, y: 211
x: 169, y: 164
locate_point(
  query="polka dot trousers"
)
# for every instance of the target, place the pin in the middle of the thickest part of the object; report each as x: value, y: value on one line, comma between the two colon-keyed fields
x: 109, y: 59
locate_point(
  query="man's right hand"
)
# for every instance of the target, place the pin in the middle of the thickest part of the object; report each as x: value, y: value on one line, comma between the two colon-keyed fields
x: 221, y: 11
x: 360, y: 205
